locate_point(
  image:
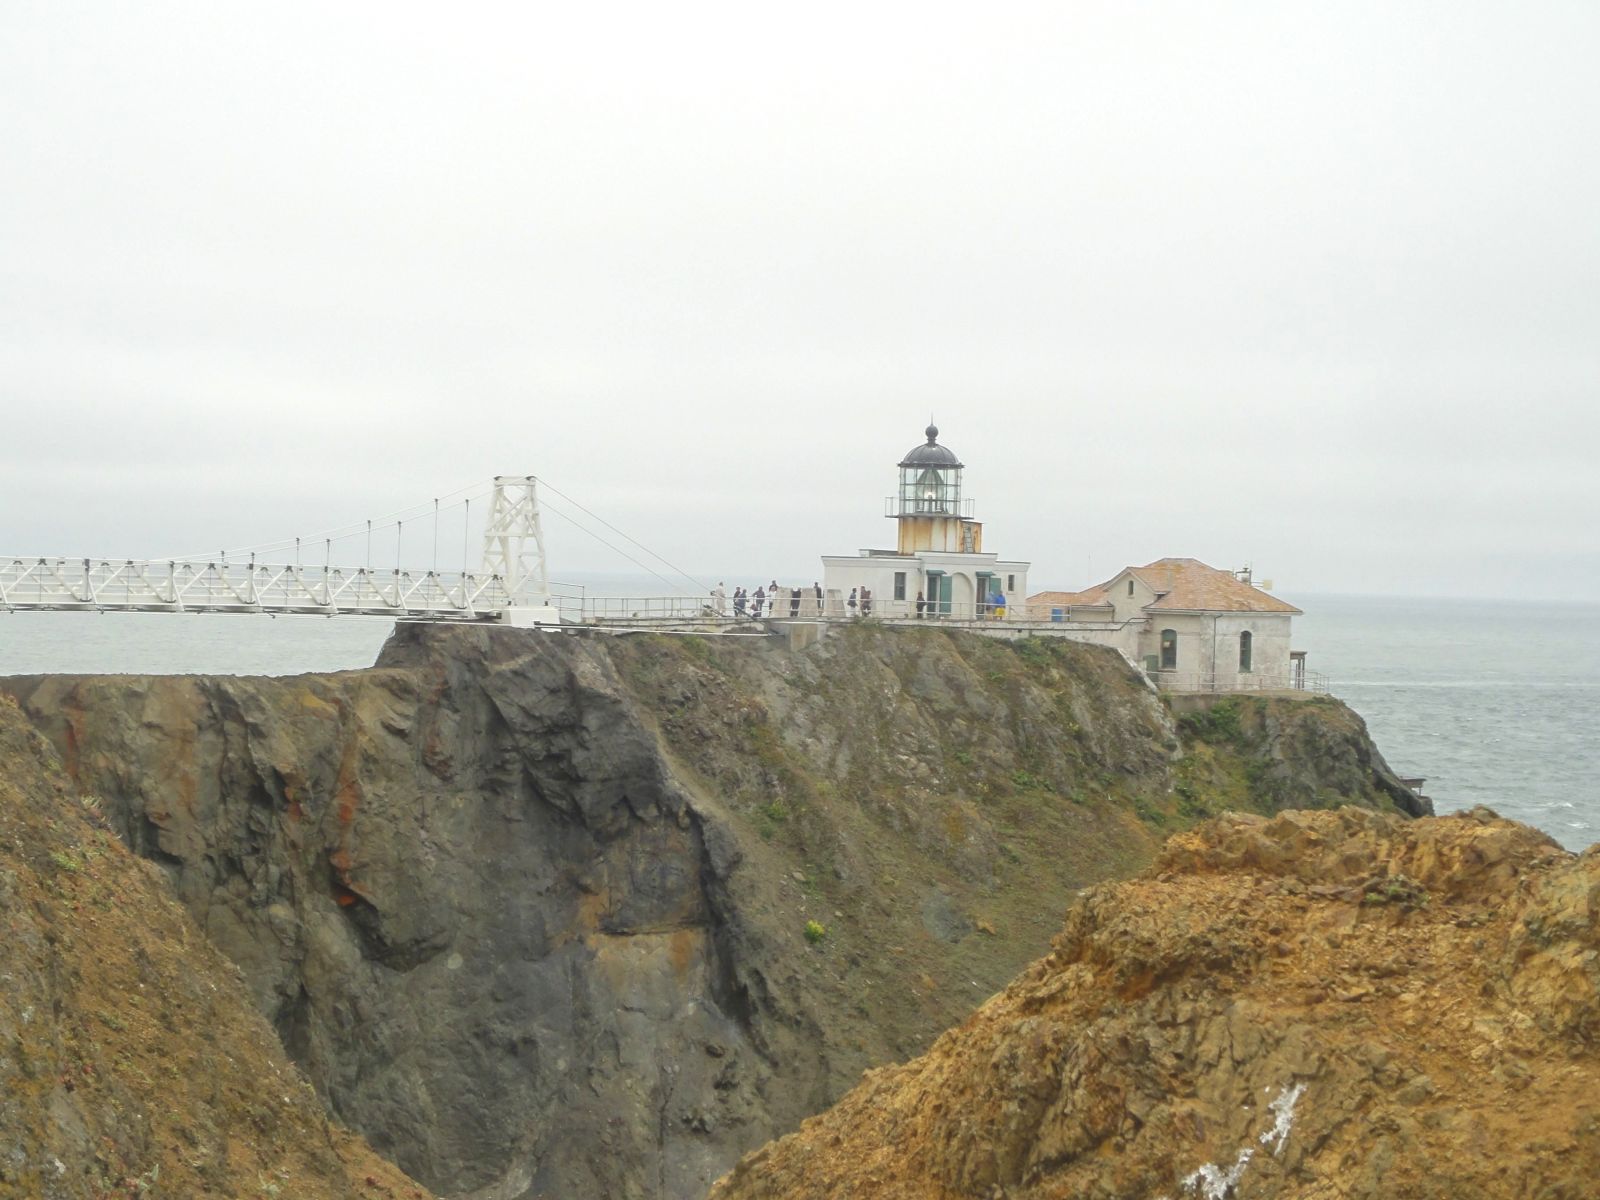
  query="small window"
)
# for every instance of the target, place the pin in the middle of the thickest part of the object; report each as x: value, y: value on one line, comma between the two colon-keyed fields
x: 899, y: 585
x: 1244, y: 651
x: 1011, y: 583
x: 1130, y: 587
x: 1169, y: 649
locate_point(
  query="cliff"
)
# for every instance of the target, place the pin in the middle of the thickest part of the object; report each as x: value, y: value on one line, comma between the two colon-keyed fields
x: 132, y: 1060
x: 1317, y: 1006
x: 583, y: 915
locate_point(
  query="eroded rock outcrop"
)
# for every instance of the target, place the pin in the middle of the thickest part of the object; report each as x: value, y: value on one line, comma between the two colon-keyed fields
x: 578, y: 915
x: 1320, y: 1005
x: 132, y: 1060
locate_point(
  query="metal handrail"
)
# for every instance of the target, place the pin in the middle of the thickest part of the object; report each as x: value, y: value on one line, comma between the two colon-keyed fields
x: 131, y: 585
x: 1243, y: 681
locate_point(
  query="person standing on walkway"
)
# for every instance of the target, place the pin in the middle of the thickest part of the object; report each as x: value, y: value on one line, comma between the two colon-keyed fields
x: 760, y: 599
x: 852, y: 602
x: 922, y: 606
x: 817, y: 588
x: 738, y: 601
x: 866, y: 602
x: 719, y: 599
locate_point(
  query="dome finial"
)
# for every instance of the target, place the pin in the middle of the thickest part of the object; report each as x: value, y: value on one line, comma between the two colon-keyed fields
x: 932, y: 431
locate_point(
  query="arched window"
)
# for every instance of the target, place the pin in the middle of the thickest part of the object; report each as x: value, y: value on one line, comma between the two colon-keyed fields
x: 1169, y: 649
x: 1130, y: 587
x: 1244, y: 651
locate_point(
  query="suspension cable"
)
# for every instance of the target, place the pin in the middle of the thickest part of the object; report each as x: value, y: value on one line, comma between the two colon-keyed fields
x: 700, y: 584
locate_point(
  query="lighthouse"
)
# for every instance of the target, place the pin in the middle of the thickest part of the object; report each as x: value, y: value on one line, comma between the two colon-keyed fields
x: 929, y: 505
x: 938, y: 550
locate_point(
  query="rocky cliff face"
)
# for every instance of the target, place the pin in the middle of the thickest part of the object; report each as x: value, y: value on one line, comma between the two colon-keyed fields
x: 1319, y: 1005
x: 586, y: 916
x: 132, y: 1061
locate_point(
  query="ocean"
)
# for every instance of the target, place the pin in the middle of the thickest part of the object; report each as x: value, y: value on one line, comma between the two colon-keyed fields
x: 1494, y: 703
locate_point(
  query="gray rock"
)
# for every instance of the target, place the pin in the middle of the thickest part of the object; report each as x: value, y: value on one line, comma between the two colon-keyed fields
x: 524, y: 907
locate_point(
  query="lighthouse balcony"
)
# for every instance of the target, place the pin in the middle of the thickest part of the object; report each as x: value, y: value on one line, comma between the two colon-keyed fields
x: 923, y: 506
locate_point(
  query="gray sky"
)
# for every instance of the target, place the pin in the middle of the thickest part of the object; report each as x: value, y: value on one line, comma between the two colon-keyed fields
x: 1313, y: 286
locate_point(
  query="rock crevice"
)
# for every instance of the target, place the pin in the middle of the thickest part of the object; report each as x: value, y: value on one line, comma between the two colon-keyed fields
x: 563, y: 914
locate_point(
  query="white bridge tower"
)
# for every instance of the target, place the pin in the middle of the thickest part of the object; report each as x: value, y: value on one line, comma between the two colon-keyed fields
x: 513, y: 549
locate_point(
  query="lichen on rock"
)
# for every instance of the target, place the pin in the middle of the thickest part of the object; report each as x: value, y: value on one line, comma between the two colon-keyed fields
x: 530, y: 909
x: 132, y: 1060
x: 1235, y: 1021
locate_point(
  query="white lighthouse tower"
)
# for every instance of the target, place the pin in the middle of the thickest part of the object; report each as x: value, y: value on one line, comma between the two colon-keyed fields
x: 928, y: 506
x: 938, y: 552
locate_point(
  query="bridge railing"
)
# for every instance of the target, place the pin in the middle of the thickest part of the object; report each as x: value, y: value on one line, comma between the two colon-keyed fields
x: 174, y: 586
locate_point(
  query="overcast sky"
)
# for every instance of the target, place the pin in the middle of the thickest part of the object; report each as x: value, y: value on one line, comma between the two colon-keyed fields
x: 1313, y: 286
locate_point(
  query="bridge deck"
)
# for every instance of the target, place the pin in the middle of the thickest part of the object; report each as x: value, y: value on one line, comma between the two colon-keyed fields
x: 87, y: 585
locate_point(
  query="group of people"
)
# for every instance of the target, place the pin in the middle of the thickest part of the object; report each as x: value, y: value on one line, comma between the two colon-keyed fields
x: 776, y: 602
x: 771, y: 599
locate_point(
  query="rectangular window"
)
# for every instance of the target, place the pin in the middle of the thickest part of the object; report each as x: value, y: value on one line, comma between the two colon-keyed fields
x: 899, y: 585
x: 1011, y: 583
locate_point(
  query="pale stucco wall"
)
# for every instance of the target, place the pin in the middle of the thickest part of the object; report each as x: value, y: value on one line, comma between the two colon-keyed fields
x: 841, y: 573
x: 1208, y: 647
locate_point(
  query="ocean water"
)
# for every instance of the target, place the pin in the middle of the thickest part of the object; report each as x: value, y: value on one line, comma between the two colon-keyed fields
x: 1495, y: 703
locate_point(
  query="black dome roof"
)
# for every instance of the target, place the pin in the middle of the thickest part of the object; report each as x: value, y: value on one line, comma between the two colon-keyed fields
x: 930, y: 453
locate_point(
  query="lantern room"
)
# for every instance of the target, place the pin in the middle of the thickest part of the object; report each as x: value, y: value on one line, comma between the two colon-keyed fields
x: 931, y: 511
x: 930, y: 480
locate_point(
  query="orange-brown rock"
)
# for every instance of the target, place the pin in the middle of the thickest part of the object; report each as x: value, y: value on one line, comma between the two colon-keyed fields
x: 132, y: 1061
x: 1321, y: 1006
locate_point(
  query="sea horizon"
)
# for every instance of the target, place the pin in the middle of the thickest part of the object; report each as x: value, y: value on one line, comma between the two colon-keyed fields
x: 1452, y: 689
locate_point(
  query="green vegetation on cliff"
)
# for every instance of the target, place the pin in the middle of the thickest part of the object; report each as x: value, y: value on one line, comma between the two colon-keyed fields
x: 584, y: 914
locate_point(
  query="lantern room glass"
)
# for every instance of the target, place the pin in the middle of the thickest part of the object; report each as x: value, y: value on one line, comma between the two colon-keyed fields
x: 931, y: 491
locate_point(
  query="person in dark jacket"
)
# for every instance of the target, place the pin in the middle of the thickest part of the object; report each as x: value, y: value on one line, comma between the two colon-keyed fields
x: 922, y: 606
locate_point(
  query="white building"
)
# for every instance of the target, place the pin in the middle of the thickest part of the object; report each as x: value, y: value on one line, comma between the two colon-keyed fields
x: 939, y: 551
x: 1191, y: 626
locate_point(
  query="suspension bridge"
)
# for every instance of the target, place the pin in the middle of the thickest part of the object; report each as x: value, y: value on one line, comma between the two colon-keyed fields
x: 509, y: 582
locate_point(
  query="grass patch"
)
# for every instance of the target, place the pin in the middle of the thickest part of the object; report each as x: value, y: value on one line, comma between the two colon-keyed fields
x: 65, y: 862
x: 1217, y: 725
x: 1033, y: 651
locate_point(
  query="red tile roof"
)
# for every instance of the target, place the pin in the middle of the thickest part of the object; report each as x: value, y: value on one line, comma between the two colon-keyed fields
x: 1069, y: 599
x: 1181, y: 585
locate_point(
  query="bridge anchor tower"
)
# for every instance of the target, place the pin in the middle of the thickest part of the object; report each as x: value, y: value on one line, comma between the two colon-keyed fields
x: 513, y: 548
